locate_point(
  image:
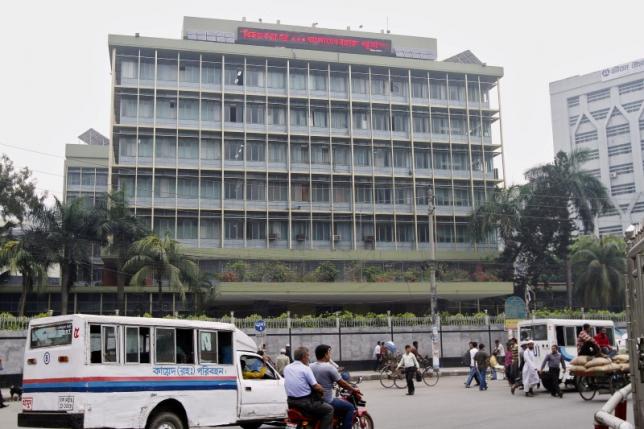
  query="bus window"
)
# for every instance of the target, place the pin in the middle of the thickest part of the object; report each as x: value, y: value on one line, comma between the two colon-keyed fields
x: 254, y: 368
x: 561, y: 336
x: 95, y: 343
x: 109, y: 344
x: 539, y: 333
x: 165, y: 345
x: 185, y: 344
x: 207, y: 347
x: 571, y: 337
x: 144, y: 345
x: 225, y: 347
x: 525, y: 333
x: 51, y: 336
x: 131, y: 345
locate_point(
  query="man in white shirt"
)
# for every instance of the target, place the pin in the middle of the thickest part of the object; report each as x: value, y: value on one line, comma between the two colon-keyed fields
x: 473, y: 374
x: 377, y: 355
x: 304, y: 392
x: 530, y: 370
x: 410, y: 363
x: 499, y: 354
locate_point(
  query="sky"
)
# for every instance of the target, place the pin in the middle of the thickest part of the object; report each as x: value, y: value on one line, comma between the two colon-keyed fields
x: 55, y: 74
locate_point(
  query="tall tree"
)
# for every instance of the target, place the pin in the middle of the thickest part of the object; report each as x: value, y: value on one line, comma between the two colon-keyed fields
x: 72, y: 230
x: 31, y: 259
x: 162, y: 260
x: 121, y: 229
x: 578, y: 196
x: 599, y: 265
x: 18, y: 196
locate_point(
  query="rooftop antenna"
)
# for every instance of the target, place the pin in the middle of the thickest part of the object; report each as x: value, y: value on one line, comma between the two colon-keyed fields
x: 388, y: 31
x: 243, y: 19
x: 278, y: 22
x: 360, y: 26
x: 260, y: 19
x: 315, y: 24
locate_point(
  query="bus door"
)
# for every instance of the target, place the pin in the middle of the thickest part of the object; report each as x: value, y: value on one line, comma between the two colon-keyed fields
x: 261, y: 392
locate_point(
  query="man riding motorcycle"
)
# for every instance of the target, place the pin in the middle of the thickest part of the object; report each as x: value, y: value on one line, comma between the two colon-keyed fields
x: 303, y: 391
x: 327, y: 374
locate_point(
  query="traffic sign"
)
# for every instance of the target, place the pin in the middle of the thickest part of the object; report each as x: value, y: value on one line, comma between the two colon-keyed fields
x: 260, y: 326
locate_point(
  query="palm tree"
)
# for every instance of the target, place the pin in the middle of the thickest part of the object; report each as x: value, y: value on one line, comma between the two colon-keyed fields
x: 202, y: 288
x: 161, y: 259
x: 578, y: 194
x: 122, y: 229
x: 501, y: 212
x: 28, y: 257
x: 70, y: 231
x: 599, y: 265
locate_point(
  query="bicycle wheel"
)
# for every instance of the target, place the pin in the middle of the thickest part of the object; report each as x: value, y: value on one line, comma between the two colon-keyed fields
x: 399, y: 379
x: 586, y: 388
x: 430, y: 376
x: 363, y: 422
x: 386, y: 378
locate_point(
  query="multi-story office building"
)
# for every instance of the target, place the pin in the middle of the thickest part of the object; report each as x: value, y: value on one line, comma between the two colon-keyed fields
x: 268, y: 136
x: 86, y: 168
x: 603, y: 111
x: 86, y: 172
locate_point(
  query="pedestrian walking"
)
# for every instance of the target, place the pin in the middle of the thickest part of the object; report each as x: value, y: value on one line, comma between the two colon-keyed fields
x: 410, y: 363
x: 473, y: 374
x: 414, y: 349
x: 499, y: 355
x: 2, y: 404
x: 289, y: 353
x: 530, y: 372
x: 377, y: 355
x: 517, y: 364
x: 507, y: 363
x: 281, y: 361
x: 554, y: 360
x: 482, y: 360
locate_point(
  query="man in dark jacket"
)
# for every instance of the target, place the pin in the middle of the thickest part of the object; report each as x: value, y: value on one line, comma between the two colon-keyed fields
x: 482, y: 359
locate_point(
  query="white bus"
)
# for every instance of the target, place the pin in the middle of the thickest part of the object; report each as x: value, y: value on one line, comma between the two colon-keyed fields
x: 562, y: 332
x: 83, y: 371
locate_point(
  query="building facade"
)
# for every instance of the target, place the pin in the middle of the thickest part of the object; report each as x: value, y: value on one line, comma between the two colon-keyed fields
x: 267, y: 136
x: 603, y: 112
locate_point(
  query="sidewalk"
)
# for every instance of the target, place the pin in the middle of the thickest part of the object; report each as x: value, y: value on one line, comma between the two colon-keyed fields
x: 444, y: 372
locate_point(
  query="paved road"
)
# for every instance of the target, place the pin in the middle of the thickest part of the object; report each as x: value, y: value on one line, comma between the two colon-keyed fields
x: 450, y: 405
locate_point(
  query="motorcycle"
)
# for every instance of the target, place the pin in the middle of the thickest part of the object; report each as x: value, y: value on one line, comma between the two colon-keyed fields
x: 361, y: 418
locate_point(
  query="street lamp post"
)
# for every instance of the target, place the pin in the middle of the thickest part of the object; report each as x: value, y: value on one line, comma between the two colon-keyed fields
x: 431, y: 212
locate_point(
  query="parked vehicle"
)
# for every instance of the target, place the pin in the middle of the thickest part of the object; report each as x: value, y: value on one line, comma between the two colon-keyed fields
x: 85, y: 371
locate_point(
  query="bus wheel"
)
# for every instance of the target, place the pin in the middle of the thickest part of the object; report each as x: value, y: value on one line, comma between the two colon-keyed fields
x: 252, y: 425
x: 165, y: 420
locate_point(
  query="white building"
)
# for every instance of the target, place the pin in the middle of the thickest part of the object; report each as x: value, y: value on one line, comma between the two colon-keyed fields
x: 603, y: 111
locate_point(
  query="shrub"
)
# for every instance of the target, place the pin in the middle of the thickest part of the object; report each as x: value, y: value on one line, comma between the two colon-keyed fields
x: 271, y: 272
x: 229, y: 276
x: 326, y: 272
x: 411, y: 275
x: 455, y: 275
x: 372, y: 273
x: 480, y: 275
x: 240, y: 268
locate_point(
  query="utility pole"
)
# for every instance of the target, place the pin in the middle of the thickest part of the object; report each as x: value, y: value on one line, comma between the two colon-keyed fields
x: 431, y: 212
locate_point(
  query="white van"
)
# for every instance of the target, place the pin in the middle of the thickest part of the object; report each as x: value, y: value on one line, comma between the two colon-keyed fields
x: 83, y: 371
x: 562, y: 332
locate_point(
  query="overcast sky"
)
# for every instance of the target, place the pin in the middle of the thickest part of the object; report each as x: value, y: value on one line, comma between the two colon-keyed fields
x: 54, y: 72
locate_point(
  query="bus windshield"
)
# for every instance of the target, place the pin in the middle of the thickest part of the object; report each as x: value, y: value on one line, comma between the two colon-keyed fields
x: 51, y: 335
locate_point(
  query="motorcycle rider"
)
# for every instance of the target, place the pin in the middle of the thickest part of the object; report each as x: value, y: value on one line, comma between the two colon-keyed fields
x: 303, y: 391
x: 327, y: 374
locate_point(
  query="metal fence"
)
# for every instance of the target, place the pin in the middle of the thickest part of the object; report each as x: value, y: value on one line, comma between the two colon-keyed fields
x: 20, y: 323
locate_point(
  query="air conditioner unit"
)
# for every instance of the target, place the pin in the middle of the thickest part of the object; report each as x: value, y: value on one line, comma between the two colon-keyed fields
x: 614, y: 175
x: 337, y: 237
x: 273, y: 236
x: 300, y: 237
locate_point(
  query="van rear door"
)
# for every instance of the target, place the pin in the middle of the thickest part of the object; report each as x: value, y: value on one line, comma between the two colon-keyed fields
x: 261, y: 392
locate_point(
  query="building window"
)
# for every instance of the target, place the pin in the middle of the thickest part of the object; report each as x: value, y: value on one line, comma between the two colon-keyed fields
x: 233, y: 189
x: 636, y: 85
x: 298, y: 79
x: 210, y: 188
x: 298, y: 117
x: 188, y: 149
x: 210, y: 150
x: 255, y: 151
x: 620, y: 149
x: 419, y: 89
x: 338, y: 82
x: 318, y: 80
x: 627, y: 188
x: 255, y: 113
x: 383, y: 194
x: 276, y: 79
x: 276, y: 152
x: 300, y: 153
x: 300, y: 192
x: 256, y: 190
x: 384, y: 231
x: 233, y: 151
x: 321, y: 193
x: 421, y: 124
x: 359, y: 85
x: 255, y: 229
x: 617, y: 130
x: 234, y: 229
x: 363, y: 193
x: 622, y: 168
x: 186, y: 228
x: 400, y: 122
x: 209, y: 228
x: 380, y: 120
x: 573, y: 101
x: 73, y: 176
x: 362, y: 156
x: 320, y: 154
x: 188, y: 188
x: 276, y: 115
x: 319, y: 118
x: 339, y: 119
x: 378, y: 85
x: 588, y: 136
x: 341, y: 194
x: 598, y: 95
x: 321, y: 231
x: 398, y: 87
x: 254, y: 77
x: 233, y: 113
x: 402, y: 158
x: 341, y: 155
x: 277, y: 191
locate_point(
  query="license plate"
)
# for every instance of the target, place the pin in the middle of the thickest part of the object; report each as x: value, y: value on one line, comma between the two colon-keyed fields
x: 291, y: 425
x: 27, y: 403
x: 66, y: 403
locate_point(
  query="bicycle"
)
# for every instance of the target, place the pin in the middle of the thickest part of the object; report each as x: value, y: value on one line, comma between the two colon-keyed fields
x: 391, y: 376
x: 429, y: 374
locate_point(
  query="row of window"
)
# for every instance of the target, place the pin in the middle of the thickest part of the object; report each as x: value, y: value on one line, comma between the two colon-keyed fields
x: 160, y: 345
x: 601, y: 94
x: 86, y: 176
x: 631, y: 107
x: 626, y: 188
x: 258, y: 77
x: 167, y: 149
x: 209, y: 112
x: 302, y: 230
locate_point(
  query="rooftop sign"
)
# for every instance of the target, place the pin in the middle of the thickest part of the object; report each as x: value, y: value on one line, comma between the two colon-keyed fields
x: 324, y: 42
x: 622, y: 70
